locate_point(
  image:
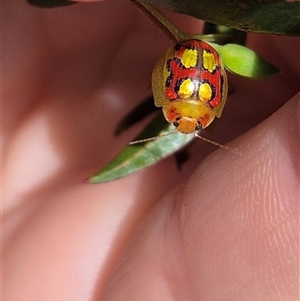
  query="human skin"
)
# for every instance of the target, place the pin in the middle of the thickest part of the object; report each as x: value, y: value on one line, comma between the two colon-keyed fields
x: 224, y: 227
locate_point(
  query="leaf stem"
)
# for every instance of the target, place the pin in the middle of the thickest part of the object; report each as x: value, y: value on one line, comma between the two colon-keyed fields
x: 174, y: 32
x: 166, y: 23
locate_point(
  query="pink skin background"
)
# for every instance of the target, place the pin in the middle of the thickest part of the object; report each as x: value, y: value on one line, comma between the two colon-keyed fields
x: 225, y: 227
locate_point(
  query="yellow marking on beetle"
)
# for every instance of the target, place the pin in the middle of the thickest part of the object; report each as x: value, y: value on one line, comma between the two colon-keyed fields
x: 205, y: 92
x: 209, y: 62
x: 166, y: 74
x: 189, y: 58
x: 186, y: 89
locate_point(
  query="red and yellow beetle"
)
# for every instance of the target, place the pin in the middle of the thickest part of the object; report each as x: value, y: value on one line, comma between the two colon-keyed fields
x: 190, y: 84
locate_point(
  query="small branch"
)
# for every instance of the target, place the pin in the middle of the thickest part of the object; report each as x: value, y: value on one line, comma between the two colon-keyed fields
x: 164, y: 22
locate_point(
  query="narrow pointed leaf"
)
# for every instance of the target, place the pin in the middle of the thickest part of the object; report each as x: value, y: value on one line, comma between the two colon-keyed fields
x: 272, y: 16
x: 139, y: 156
x: 50, y: 3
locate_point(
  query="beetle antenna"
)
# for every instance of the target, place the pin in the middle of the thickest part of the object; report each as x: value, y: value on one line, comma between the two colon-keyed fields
x: 217, y: 144
x: 152, y: 138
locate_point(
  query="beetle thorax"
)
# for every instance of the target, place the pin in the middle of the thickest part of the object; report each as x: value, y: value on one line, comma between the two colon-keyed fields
x: 188, y: 115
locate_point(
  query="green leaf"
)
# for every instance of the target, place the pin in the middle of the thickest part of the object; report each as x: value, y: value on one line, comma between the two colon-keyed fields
x: 272, y: 16
x: 245, y: 62
x: 135, y: 157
